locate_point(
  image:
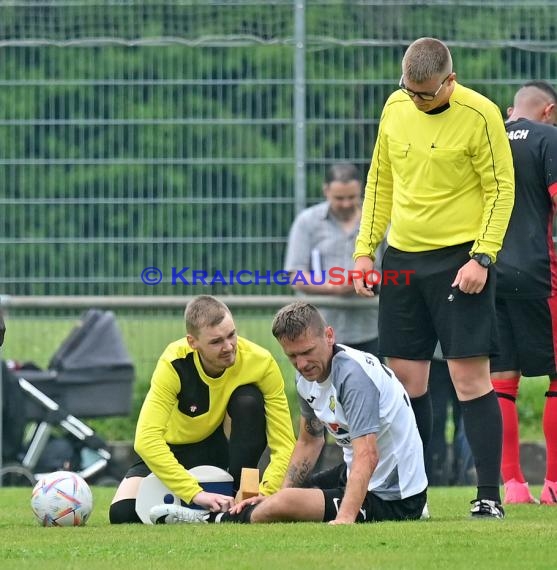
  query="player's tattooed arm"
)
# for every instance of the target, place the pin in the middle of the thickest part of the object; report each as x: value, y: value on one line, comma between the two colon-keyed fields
x: 315, y: 428
x: 298, y: 473
x: 310, y: 442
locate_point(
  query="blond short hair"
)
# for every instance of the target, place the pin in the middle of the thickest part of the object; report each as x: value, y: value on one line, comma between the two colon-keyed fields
x: 204, y: 311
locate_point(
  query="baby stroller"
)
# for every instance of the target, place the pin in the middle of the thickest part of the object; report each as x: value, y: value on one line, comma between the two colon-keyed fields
x: 91, y: 375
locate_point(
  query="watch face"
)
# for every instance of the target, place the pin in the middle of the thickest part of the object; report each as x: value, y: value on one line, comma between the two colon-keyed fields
x: 483, y: 259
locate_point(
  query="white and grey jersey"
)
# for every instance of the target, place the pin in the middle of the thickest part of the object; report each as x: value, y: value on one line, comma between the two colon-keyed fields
x: 361, y: 397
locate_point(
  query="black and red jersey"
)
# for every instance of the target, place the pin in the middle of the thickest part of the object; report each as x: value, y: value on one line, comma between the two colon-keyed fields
x: 527, y: 263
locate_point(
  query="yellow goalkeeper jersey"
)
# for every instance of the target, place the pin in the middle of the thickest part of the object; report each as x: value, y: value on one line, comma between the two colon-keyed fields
x: 184, y: 405
x: 440, y: 179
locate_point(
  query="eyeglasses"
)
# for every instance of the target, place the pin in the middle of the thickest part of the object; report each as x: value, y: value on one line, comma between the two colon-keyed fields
x: 424, y: 96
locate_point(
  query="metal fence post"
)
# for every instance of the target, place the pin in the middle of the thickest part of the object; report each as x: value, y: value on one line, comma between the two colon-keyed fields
x: 300, y: 104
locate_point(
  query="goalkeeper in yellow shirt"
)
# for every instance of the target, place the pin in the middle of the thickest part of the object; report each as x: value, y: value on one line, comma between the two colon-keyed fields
x: 197, y: 381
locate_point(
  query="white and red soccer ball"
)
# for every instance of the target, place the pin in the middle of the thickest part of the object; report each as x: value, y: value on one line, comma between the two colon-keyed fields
x: 62, y: 498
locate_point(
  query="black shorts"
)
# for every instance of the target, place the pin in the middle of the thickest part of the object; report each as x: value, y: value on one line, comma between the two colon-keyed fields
x: 415, y: 312
x: 527, y: 336
x: 211, y: 451
x: 246, y: 408
x: 374, y: 509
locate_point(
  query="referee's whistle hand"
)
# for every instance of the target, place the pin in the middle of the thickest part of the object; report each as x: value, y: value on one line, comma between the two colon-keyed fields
x: 471, y: 278
x: 363, y: 265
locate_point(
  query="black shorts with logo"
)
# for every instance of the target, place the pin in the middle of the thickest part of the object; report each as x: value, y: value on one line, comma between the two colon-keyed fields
x: 374, y: 509
x: 417, y: 309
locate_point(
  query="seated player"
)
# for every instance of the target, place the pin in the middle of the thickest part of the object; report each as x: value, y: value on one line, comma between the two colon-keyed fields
x: 367, y: 411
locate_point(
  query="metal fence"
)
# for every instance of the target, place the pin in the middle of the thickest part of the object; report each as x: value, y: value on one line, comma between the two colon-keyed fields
x: 182, y: 133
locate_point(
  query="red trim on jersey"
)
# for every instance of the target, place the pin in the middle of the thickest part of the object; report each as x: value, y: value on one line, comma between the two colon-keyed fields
x: 552, y: 189
x: 551, y: 248
x: 552, y: 304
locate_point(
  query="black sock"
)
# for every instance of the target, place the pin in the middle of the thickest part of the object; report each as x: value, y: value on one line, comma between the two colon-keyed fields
x: 484, y: 431
x: 424, y: 416
x: 244, y: 517
x: 123, y: 512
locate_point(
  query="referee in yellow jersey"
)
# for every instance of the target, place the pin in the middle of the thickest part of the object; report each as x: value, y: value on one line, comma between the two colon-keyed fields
x: 442, y: 176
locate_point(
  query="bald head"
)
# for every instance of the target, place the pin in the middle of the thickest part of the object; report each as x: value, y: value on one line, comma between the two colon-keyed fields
x: 536, y: 101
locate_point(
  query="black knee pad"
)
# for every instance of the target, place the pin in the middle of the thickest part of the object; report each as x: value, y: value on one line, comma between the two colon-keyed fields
x: 246, y: 401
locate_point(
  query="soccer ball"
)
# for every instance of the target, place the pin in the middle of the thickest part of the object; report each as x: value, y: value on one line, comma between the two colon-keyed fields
x: 62, y: 498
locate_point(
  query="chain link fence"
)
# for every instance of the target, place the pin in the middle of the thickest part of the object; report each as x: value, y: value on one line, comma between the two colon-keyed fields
x: 187, y: 134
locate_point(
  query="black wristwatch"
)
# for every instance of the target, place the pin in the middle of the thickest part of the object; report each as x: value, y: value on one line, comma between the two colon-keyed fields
x: 482, y: 258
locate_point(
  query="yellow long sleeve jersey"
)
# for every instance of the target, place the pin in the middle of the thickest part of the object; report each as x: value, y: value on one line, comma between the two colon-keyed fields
x: 440, y: 179
x: 184, y: 405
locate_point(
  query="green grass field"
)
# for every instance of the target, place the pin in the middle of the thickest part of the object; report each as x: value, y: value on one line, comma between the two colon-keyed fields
x: 524, y: 539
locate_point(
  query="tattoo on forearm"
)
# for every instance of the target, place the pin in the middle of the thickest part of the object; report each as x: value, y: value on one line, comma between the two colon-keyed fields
x: 314, y: 427
x: 298, y: 473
